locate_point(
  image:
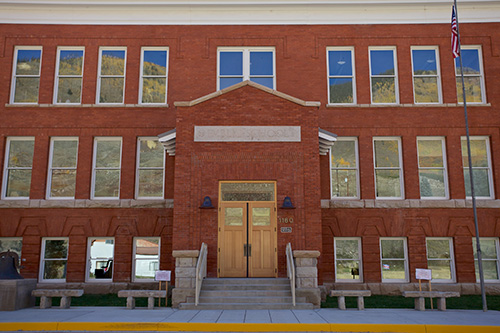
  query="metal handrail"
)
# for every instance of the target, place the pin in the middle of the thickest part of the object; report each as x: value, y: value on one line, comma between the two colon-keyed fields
x: 290, y: 267
x: 201, y: 271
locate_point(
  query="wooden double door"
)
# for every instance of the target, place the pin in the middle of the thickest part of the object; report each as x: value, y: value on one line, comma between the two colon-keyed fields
x: 247, y: 239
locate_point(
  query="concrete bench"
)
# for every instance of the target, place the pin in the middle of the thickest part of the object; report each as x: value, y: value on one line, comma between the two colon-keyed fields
x: 421, y: 295
x: 65, y: 294
x: 150, y: 294
x: 360, y: 294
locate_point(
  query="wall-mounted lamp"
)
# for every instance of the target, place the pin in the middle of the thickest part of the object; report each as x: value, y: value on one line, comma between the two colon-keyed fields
x: 207, y: 203
x: 287, y: 203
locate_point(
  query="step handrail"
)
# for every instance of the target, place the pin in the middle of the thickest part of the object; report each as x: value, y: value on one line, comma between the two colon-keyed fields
x: 290, y: 267
x: 201, y: 271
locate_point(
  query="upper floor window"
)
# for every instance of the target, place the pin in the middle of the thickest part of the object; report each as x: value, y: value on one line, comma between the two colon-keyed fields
x: 383, y: 75
x: 150, y: 168
x: 388, y: 168
x: 153, y: 83
x: 26, y: 74
x: 341, y: 78
x: 481, y: 167
x: 18, y: 165
x: 344, y: 168
x: 256, y: 64
x: 489, y: 256
x: 432, y: 168
x: 426, y: 79
x: 54, y: 259
x: 111, y: 77
x: 473, y: 75
x: 69, y: 75
x: 107, y: 167
x: 61, y: 182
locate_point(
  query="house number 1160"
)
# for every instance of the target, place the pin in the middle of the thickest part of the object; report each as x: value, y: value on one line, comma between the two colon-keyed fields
x: 285, y: 220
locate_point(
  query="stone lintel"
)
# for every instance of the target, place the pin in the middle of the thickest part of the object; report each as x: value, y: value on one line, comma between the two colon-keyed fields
x: 186, y: 253
x: 306, y: 254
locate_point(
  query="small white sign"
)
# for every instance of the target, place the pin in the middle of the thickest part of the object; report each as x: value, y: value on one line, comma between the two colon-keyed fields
x: 423, y: 274
x: 162, y: 275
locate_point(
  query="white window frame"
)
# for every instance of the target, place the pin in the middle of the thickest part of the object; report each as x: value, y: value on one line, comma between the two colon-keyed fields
x: 15, y: 76
x: 360, y: 280
x: 395, y: 76
x: 489, y: 168
x: 135, y: 259
x: 138, y: 168
x: 375, y: 168
x: 444, y: 168
x: 405, y: 260
x: 356, y: 152
x: 94, y: 168
x: 246, y: 61
x: 43, y: 260
x: 50, y: 167
x: 452, y: 258
x: 100, y: 76
x: 142, y: 76
x: 58, y: 76
x: 89, y: 259
x: 437, y: 76
x: 481, y: 74
x: 497, y: 260
x: 7, y: 168
x: 353, y: 76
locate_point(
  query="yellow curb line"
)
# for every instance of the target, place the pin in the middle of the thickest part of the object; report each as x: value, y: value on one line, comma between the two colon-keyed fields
x: 245, y: 327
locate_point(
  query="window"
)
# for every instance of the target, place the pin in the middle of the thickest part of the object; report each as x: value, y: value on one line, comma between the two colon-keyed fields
x: 341, y: 78
x: 383, y: 76
x: 150, y: 168
x: 146, y: 258
x: 394, y: 259
x: 62, y: 168
x: 111, y: 79
x: 440, y: 259
x: 348, y: 266
x: 473, y: 75
x: 18, y: 165
x: 54, y: 259
x: 388, y: 168
x: 240, y: 64
x: 426, y: 80
x: 100, y: 259
x: 432, y: 168
x: 344, y: 168
x: 489, y: 251
x: 107, y: 166
x: 481, y: 167
x: 69, y: 75
x: 26, y: 74
x: 14, y: 244
x: 153, y: 83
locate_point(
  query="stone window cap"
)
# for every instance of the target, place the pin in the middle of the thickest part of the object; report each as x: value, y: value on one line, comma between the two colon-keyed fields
x: 306, y: 254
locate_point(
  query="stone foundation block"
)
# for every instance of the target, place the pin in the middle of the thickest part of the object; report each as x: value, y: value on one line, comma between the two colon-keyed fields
x: 180, y: 295
x: 312, y: 295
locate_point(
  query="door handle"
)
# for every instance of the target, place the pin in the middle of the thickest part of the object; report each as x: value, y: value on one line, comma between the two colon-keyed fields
x: 247, y: 250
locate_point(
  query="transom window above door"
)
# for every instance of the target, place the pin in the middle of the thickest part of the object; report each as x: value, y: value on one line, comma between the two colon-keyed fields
x: 256, y: 64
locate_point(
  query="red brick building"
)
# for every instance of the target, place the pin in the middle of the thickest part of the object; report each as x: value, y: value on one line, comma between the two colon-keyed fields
x: 117, y: 121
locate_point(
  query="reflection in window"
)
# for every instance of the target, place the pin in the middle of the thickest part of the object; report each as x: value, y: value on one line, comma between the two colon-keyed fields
x: 247, y: 191
x: 62, y: 169
x: 13, y: 244
x: 344, y: 168
x: 146, y: 258
x: 489, y: 256
x: 54, y: 259
x: 426, y: 82
x: 440, y: 259
x: 347, y: 259
x: 261, y: 216
x: 107, y: 166
x: 100, y: 258
x: 150, y: 168
x: 432, y: 167
x: 17, y: 172
x: 481, y: 167
x: 473, y: 75
x: 341, y: 79
x: 383, y: 76
x: 153, y: 83
x: 69, y: 75
x: 111, y: 80
x: 388, y: 168
x: 26, y: 76
x: 394, y: 259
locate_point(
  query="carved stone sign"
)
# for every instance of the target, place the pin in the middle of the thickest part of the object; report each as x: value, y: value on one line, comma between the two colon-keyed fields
x: 247, y: 133
x: 286, y: 230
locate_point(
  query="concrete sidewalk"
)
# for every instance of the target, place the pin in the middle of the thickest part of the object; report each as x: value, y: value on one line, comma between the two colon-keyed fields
x: 321, y: 320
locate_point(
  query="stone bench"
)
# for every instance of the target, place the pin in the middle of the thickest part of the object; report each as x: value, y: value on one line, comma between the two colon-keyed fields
x: 360, y: 294
x: 65, y: 294
x: 421, y: 295
x: 150, y: 294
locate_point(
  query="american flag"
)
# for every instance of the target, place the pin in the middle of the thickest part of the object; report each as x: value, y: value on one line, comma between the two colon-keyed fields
x: 455, y: 49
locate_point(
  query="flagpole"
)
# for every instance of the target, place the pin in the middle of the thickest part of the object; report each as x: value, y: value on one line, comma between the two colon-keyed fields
x: 478, y: 246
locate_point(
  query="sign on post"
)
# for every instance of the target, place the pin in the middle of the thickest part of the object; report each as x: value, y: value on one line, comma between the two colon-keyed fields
x: 162, y: 276
x: 424, y: 274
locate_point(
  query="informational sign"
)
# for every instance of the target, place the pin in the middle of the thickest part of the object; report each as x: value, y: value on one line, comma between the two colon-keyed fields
x: 423, y: 274
x: 286, y: 230
x: 162, y: 275
x: 247, y: 133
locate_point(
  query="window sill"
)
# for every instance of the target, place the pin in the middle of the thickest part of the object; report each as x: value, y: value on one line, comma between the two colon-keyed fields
x: 408, y: 203
x: 85, y: 203
x: 447, y: 105
x: 86, y: 105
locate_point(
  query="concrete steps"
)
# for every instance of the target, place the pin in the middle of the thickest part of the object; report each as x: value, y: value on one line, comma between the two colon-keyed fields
x: 246, y: 294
